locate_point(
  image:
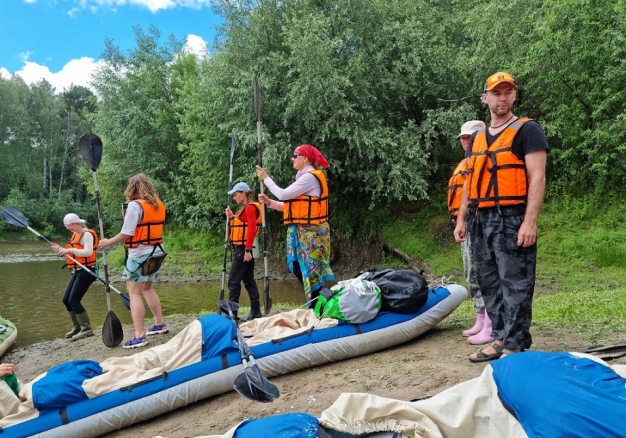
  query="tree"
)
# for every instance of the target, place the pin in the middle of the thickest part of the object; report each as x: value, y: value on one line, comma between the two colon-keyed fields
x: 136, y: 118
x: 362, y: 80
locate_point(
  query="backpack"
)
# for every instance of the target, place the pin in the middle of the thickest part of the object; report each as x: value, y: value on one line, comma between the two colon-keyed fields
x: 355, y: 301
x: 402, y: 291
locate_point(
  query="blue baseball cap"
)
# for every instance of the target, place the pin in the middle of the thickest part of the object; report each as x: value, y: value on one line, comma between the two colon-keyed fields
x: 239, y: 187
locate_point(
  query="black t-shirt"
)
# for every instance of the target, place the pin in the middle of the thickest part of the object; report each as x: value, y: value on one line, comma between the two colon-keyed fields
x: 529, y: 138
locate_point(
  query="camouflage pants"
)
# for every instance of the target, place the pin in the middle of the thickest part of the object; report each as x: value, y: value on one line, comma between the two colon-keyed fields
x: 470, y: 276
x: 505, y: 273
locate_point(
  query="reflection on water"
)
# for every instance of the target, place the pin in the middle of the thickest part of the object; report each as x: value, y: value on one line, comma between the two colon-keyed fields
x: 32, y: 285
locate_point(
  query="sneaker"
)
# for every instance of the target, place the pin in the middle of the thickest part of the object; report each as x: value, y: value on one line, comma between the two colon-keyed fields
x: 157, y: 329
x: 136, y: 342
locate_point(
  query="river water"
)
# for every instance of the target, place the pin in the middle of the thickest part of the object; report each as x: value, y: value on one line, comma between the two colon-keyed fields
x: 32, y: 285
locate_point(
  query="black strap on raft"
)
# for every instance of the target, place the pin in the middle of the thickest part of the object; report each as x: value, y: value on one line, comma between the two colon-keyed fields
x: 130, y: 388
x: 65, y: 419
x: 307, y: 332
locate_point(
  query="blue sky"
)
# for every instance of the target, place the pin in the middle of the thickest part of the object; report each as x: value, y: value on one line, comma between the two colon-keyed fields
x: 61, y: 40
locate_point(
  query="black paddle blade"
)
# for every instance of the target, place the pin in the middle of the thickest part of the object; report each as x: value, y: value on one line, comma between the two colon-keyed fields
x: 228, y: 306
x: 13, y: 217
x: 267, y: 299
x: 126, y: 300
x: 232, y: 149
x: 258, y: 97
x: 259, y: 381
x: 91, y: 150
x: 242, y: 386
x: 112, y: 332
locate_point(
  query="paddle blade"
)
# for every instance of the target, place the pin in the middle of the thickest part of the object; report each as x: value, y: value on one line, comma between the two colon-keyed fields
x: 112, y: 332
x: 258, y: 97
x: 227, y: 306
x: 267, y: 298
x: 125, y: 300
x: 258, y: 380
x: 232, y: 149
x: 91, y: 150
x: 242, y: 386
x: 13, y: 217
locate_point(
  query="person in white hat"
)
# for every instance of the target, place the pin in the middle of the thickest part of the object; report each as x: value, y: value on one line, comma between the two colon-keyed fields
x: 480, y: 333
x: 81, y: 249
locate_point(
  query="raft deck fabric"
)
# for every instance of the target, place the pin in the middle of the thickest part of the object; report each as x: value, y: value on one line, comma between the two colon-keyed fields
x: 203, y: 360
x: 533, y: 394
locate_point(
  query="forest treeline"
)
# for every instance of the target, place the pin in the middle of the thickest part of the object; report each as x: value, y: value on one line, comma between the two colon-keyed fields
x: 381, y: 87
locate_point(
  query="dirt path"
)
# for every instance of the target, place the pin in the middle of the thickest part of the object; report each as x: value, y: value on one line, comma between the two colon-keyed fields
x: 423, y: 367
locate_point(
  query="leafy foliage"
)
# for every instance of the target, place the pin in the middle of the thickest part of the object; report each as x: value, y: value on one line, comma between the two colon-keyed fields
x: 380, y: 87
x: 39, y: 133
x: 136, y: 117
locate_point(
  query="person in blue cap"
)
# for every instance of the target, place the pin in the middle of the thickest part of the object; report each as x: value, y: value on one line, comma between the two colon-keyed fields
x: 244, y: 227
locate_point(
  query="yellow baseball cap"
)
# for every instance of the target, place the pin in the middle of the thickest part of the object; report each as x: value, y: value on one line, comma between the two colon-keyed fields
x: 498, y: 78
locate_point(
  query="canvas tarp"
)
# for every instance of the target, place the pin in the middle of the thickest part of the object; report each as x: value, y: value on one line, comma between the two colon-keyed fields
x: 471, y: 409
x: 186, y: 348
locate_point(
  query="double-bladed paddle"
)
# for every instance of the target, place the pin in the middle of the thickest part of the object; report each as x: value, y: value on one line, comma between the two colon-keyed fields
x: 91, y: 150
x: 257, y: 111
x: 15, y: 217
x: 226, y: 238
x: 251, y: 383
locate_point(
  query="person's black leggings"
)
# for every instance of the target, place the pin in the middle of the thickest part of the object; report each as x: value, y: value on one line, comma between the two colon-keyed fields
x: 76, y: 289
x: 241, y: 271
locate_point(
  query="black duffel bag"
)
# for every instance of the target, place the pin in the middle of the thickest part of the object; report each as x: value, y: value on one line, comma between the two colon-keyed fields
x: 402, y: 291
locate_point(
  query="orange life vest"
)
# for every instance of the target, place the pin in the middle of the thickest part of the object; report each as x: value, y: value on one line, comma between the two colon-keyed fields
x: 89, y: 261
x: 305, y: 209
x: 239, y: 228
x: 149, y: 230
x: 455, y: 188
x: 497, y: 177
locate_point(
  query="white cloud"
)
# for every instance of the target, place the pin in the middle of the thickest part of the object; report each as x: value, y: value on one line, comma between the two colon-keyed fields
x: 79, y: 71
x: 152, y: 5
x: 196, y: 46
x: 75, y: 72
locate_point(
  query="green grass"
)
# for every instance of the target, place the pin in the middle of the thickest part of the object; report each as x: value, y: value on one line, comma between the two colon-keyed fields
x: 581, y: 264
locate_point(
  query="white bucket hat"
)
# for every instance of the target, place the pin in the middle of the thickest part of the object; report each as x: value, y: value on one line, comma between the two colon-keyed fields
x: 72, y: 218
x: 468, y: 128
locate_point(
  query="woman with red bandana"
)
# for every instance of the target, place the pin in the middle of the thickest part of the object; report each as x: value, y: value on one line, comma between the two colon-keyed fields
x: 305, y: 212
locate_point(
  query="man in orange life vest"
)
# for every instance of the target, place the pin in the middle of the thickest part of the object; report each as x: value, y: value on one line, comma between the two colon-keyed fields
x: 480, y: 332
x: 502, y: 198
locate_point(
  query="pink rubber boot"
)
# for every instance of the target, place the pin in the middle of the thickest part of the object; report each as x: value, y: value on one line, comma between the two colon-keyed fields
x: 484, y: 335
x: 480, y: 321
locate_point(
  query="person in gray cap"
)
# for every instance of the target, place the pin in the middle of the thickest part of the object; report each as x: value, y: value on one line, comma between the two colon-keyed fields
x: 244, y: 226
x: 480, y: 333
